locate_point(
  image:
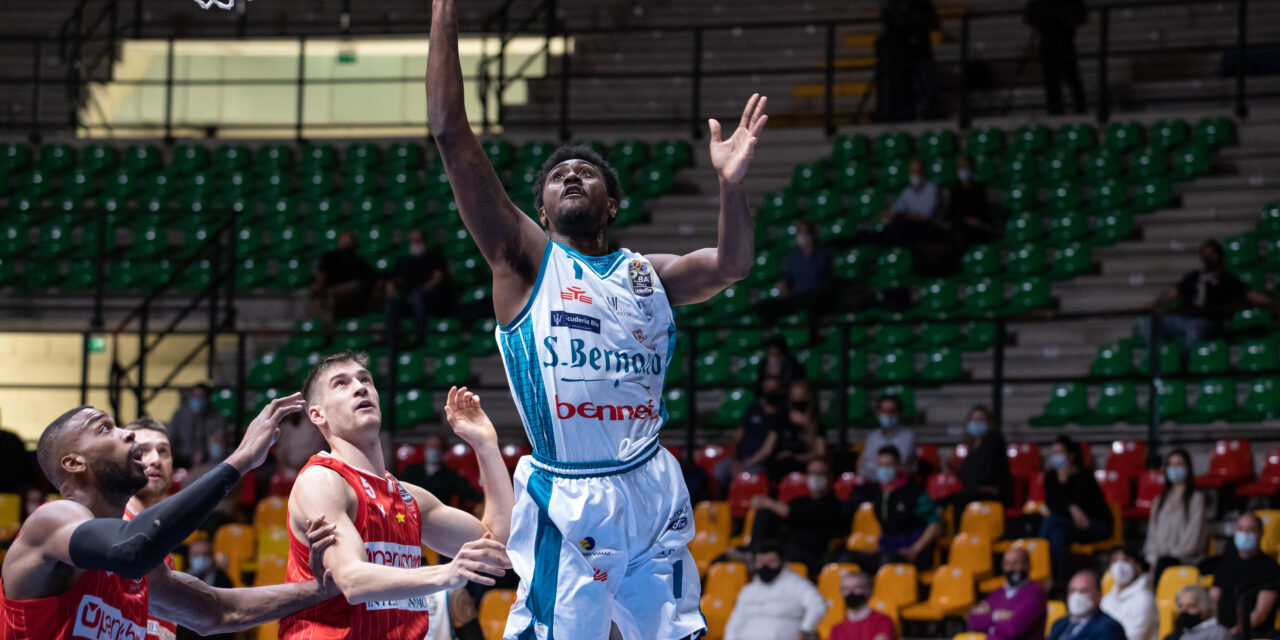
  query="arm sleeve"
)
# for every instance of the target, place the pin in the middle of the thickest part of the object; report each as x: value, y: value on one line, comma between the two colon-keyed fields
x: 132, y: 548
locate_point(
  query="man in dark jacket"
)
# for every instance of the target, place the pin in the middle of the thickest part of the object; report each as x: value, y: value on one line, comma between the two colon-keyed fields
x: 907, y: 515
x: 811, y: 521
x: 420, y: 283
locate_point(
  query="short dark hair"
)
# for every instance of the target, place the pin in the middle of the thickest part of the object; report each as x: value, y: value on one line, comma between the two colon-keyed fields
x: 769, y: 546
x: 49, y: 447
x: 585, y: 154
x: 897, y: 402
x: 1074, y: 451
x: 1134, y: 553
x: 1215, y: 245
x: 327, y: 362
x: 146, y: 423
x: 890, y: 450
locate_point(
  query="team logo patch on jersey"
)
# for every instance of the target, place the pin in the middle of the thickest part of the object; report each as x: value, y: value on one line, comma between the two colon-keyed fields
x: 588, y: 543
x: 638, y: 334
x: 641, y: 276
x: 577, y: 294
x: 575, y: 321
x: 680, y: 520
x: 404, y: 494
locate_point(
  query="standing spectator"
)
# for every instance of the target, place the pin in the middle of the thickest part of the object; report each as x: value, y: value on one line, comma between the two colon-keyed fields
x: 779, y: 362
x: 1077, y: 510
x: 202, y: 565
x: 968, y: 209
x: 1131, y: 602
x: 890, y: 433
x: 1177, y: 527
x: 1056, y: 21
x: 914, y: 218
x: 907, y: 87
x: 803, y: 441
x: 806, y: 278
x: 907, y: 515
x: 777, y: 604
x: 811, y: 521
x: 420, y: 283
x: 1015, y: 611
x: 1206, y: 298
x: 192, y: 424
x: 1238, y: 570
x: 1195, y: 616
x: 756, y: 439
x: 984, y: 474
x: 1085, y: 621
x: 17, y: 465
x: 444, y: 483
x: 343, y: 280
x: 861, y: 622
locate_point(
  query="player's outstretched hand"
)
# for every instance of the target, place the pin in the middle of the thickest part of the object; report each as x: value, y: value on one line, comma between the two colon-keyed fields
x: 468, y: 420
x: 320, y: 536
x: 731, y: 157
x: 263, y: 431
x: 477, y: 561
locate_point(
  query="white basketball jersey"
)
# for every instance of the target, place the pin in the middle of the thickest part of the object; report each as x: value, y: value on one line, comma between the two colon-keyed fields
x: 587, y: 355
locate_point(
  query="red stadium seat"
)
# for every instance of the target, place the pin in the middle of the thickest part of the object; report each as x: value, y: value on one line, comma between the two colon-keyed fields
x: 795, y: 485
x: 511, y: 454
x: 1024, y: 459
x: 957, y: 456
x: 676, y: 451
x: 928, y: 453
x: 460, y: 458
x: 742, y: 489
x: 1231, y: 464
x: 282, y: 483
x: 1128, y: 458
x: 408, y: 455
x: 1150, y: 484
x: 844, y: 486
x: 708, y: 457
x: 1268, y: 481
x: 942, y: 484
x: 1086, y: 454
x: 1115, y: 487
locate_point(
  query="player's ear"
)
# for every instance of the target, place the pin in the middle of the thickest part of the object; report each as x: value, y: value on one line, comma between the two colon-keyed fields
x: 542, y: 218
x: 315, y: 414
x: 73, y: 463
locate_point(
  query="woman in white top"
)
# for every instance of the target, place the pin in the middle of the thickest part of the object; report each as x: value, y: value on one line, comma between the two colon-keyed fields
x: 1131, y: 601
x: 1176, y: 531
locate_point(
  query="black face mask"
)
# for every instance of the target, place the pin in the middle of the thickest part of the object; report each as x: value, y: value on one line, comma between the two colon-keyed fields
x: 1211, y: 264
x: 767, y: 574
x: 774, y: 399
x: 1188, y: 620
x: 1015, y: 578
x: 855, y: 600
x: 800, y: 405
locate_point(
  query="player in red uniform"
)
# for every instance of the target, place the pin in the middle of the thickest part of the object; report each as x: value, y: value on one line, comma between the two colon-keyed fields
x: 381, y: 522
x: 151, y: 436
x: 78, y: 570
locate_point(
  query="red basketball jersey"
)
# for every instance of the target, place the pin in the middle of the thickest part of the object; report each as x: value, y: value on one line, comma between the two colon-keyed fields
x: 388, y: 520
x: 157, y: 629
x: 99, y: 605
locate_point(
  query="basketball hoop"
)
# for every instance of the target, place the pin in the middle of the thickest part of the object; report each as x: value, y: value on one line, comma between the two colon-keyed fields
x: 221, y: 4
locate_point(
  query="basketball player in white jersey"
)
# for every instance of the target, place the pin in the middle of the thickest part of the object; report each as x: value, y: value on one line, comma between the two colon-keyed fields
x: 602, y: 518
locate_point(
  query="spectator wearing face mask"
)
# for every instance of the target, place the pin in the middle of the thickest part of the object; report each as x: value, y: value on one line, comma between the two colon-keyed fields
x: 779, y: 362
x: 890, y: 434
x: 1015, y: 611
x: 915, y: 216
x: 803, y: 440
x: 984, y: 474
x: 192, y: 424
x: 1177, y: 527
x: 908, y: 516
x: 861, y: 622
x: 968, y: 210
x: 343, y: 280
x: 777, y: 604
x: 1195, y: 616
x: 1241, y: 568
x: 808, y: 523
x: 1078, y: 512
x: 753, y: 443
x: 444, y: 483
x: 1131, y: 601
x: 419, y: 282
x: 1085, y: 620
x: 807, y: 277
x: 201, y: 564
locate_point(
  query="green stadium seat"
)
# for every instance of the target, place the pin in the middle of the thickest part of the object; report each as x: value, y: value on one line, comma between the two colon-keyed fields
x: 1170, y: 355
x: 1148, y: 162
x: 714, y: 368
x: 1259, y: 355
x: 414, y: 408
x: 1103, y: 164
x: 986, y: 169
x: 655, y: 180
x: 411, y: 368
x: 1117, y: 403
x: 1030, y: 138
x: 150, y: 238
x: 869, y: 204
x: 97, y: 158
x: 675, y: 154
x: 936, y: 334
x: 809, y: 177
x: 1262, y: 402
x: 13, y: 157
x: 1109, y: 195
x: 892, y: 145
x: 37, y: 277
x: 251, y: 274
x: 501, y: 153
x: 942, y: 364
x: 897, y: 365
x: 1029, y: 259
x: 628, y: 153
x: 942, y: 171
x: 1075, y: 137
x: 1030, y: 294
x: 984, y: 142
x: 1190, y: 162
x: 1215, y: 133
x: 1122, y: 136
x: 1269, y: 224
x: 984, y: 296
x: 892, y: 336
x: 15, y: 237
x: 291, y: 274
x: 852, y: 176
x: 1242, y: 250
x: 847, y: 148
x: 779, y: 207
x: 938, y: 297
x: 124, y: 275
x: 78, y: 184
x: 1152, y: 194
x: 1071, y: 261
x: 981, y: 260
x: 358, y: 156
x: 1023, y: 228
x: 732, y: 407
x: 404, y: 156
x: 1171, y: 399
x: 535, y: 152
x: 273, y: 158
x: 1068, y: 403
x: 937, y: 144
x: 1252, y: 320
x: 354, y: 333
x: 1113, y: 360
x: 268, y: 371
x: 677, y: 406
x: 892, y: 266
x: 82, y: 275
x: 1215, y: 401
x: 854, y: 263
x: 1067, y: 227
x: 1020, y: 198
x: 978, y: 336
x: 894, y: 175
x: 230, y: 158
x: 824, y: 205
x: 1065, y: 196
x: 1169, y: 134
x: 1022, y: 168
x: 1061, y: 165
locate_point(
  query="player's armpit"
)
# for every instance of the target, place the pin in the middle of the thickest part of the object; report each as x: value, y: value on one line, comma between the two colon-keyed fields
x: 444, y: 528
x: 694, y: 277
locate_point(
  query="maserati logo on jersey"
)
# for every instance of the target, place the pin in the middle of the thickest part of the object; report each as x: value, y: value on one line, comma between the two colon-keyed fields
x: 575, y: 321
x: 575, y: 293
x: 565, y: 411
x: 98, y: 620
x: 641, y: 276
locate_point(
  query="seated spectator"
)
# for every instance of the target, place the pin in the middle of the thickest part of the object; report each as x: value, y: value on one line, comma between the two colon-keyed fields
x: 915, y: 216
x: 907, y: 515
x: 803, y: 440
x: 202, y: 565
x: 444, y: 483
x: 861, y: 622
x: 1195, y: 616
x: 1178, y: 525
x: 1015, y: 611
x: 1206, y: 298
x: 806, y: 278
x: 1239, y: 569
x: 1077, y: 510
x: 808, y: 523
x: 343, y: 280
x: 984, y: 473
x: 192, y: 424
x: 299, y: 440
x: 968, y: 211
x: 754, y: 442
x: 777, y: 604
x: 419, y: 282
x: 779, y: 362
x: 1084, y: 620
x: 1131, y: 601
x: 890, y: 433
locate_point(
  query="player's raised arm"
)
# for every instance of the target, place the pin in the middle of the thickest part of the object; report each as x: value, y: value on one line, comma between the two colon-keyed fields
x: 511, y: 242
x: 697, y: 276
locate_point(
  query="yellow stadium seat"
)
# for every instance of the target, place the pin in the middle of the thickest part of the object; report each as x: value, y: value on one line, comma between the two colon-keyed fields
x: 271, y: 511
x: 713, y: 515
x: 1171, y: 581
x: 271, y: 570
x: 866, y: 529
x: 1270, y: 540
x: 10, y: 509
x: 705, y: 546
x: 985, y: 519
x: 268, y: 631
x: 969, y: 635
x: 273, y: 541
x: 971, y: 552
x: 829, y: 586
x: 233, y: 546
x: 195, y: 536
x: 494, y: 607
x: 1108, y: 582
x: 716, y: 610
x: 748, y: 523
x: 801, y: 569
x: 952, y: 594
x: 1116, y: 539
x: 896, y: 585
x: 1041, y: 565
x: 1057, y: 610
x: 726, y: 579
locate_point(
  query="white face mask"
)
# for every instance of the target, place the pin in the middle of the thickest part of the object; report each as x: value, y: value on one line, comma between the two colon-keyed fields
x: 1079, y: 605
x: 417, y: 250
x: 1123, y: 572
x: 804, y: 241
x: 817, y: 484
x: 917, y: 180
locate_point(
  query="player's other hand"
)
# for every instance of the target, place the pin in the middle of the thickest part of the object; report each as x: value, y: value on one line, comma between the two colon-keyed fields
x: 263, y: 431
x: 731, y: 157
x: 468, y: 420
x: 320, y: 536
x: 478, y: 561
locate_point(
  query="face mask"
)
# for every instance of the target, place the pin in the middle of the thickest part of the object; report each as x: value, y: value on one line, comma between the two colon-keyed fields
x: 417, y: 250
x: 1079, y: 605
x: 196, y: 404
x: 1245, y: 542
x: 1188, y: 620
x: 964, y: 175
x: 888, y: 421
x: 885, y: 475
x: 917, y: 180
x: 774, y: 399
x: 1015, y: 578
x: 216, y: 451
x: 817, y: 484
x: 976, y: 428
x: 855, y: 601
x: 201, y: 564
x: 1058, y: 461
x: 800, y: 405
x: 1211, y: 264
x: 804, y: 241
x: 431, y: 456
x: 1176, y: 474
x: 1122, y: 571
x: 767, y: 574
